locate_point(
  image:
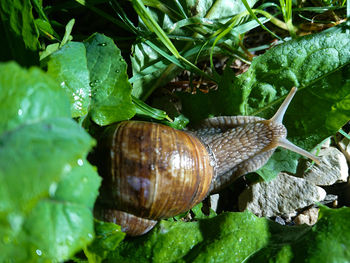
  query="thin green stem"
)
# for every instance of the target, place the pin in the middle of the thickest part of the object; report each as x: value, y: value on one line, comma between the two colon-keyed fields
x: 254, y: 16
x: 286, y: 6
x: 274, y: 20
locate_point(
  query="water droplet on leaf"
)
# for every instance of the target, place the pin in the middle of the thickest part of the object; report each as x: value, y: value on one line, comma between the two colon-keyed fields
x: 94, y: 83
x: 80, y: 162
x: 52, y: 189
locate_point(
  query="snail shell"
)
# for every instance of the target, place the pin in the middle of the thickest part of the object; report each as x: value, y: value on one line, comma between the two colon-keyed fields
x: 155, y: 171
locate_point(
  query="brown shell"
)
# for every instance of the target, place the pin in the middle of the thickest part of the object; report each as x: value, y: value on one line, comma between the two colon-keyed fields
x: 157, y: 171
x: 130, y: 224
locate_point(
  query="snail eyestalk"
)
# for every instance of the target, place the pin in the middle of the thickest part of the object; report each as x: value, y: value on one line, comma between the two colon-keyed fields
x: 278, y: 117
x: 283, y: 142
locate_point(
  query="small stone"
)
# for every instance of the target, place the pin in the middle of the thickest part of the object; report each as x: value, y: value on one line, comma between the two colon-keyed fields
x: 280, y: 220
x: 281, y: 196
x: 214, y: 200
x: 308, y: 217
x: 288, y: 217
x: 332, y: 169
x: 344, y: 146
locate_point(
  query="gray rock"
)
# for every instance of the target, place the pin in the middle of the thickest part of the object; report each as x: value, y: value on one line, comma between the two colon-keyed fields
x: 332, y: 169
x: 281, y: 196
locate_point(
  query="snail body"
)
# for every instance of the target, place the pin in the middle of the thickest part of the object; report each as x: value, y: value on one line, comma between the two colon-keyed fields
x: 154, y: 171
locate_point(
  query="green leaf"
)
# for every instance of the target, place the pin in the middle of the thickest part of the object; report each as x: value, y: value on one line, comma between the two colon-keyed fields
x: 55, y: 144
x: 68, y: 66
x: 302, y: 63
x: 199, y: 214
x: 110, y: 89
x: 28, y: 96
x: 241, y: 237
x: 96, y: 81
x: 328, y: 111
x: 108, y: 237
x: 67, y: 34
x: 282, y: 160
x: 330, y: 237
x: 48, y: 51
x: 180, y: 122
x: 47, y: 188
x: 79, y: 186
x: 229, y: 237
x: 19, y: 33
x: 34, y: 159
x: 57, y: 230
x: 46, y: 29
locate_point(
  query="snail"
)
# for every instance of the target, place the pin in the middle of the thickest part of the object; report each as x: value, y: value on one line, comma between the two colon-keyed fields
x: 153, y: 171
